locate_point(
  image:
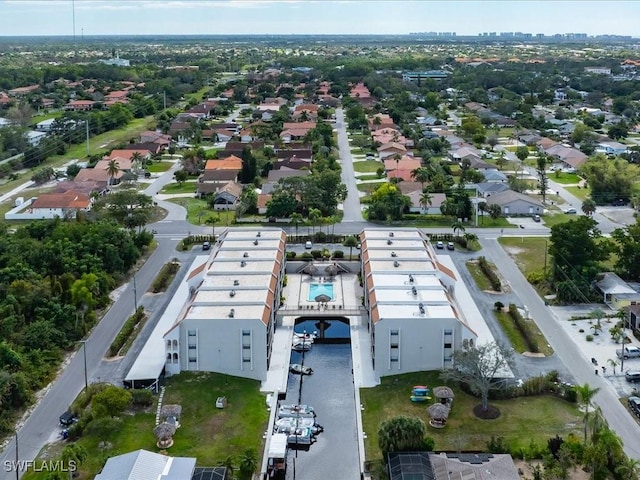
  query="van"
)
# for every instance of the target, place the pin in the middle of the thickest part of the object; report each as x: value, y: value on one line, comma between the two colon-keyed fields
x: 632, y: 376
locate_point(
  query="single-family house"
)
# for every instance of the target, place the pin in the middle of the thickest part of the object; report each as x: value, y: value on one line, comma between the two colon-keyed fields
x: 145, y: 465
x: 80, y: 105
x: 21, y: 91
x: 155, y: 137
x: 391, y: 149
x: 486, y: 189
x: 431, y: 207
x: 450, y: 466
x: 615, y: 292
x: 34, y: 138
x: 514, y: 203
x: 466, y: 152
x: 295, y: 130
x: 566, y: 156
x: 263, y: 202
x: 227, y: 197
x: 305, y: 111
x: 611, y: 147
x: 62, y: 205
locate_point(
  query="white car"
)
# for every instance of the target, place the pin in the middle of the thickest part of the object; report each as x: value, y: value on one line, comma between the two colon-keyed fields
x: 308, y: 245
x: 571, y: 211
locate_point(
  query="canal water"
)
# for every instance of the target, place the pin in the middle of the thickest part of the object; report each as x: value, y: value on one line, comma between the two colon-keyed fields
x: 330, y: 391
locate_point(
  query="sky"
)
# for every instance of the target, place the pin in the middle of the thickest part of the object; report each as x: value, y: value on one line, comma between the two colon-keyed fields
x: 202, y: 17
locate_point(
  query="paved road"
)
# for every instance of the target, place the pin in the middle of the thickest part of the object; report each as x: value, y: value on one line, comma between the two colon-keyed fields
x: 352, y: 209
x: 566, y: 349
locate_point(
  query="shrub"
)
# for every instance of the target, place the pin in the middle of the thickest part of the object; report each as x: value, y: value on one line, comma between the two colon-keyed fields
x: 126, y: 331
x: 498, y: 306
x: 497, y: 445
x: 291, y: 255
x: 320, y: 237
x: 307, y: 256
x: 142, y: 398
x: 589, y: 338
x: 165, y: 276
x: 488, y: 271
x: 338, y: 254
x: 523, y: 328
x: 316, y: 253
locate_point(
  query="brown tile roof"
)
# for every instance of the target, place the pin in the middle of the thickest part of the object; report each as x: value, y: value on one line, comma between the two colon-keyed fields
x: 229, y: 163
x: 68, y: 199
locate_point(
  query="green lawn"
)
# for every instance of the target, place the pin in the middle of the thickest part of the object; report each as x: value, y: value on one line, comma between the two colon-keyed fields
x: 552, y: 219
x: 45, y: 116
x: 368, y: 166
x: 159, y: 167
x: 527, y: 252
x: 173, y: 188
x: 206, y: 432
x: 370, y: 187
x: 580, y: 192
x: 565, y: 178
x: 200, y: 213
x: 523, y: 420
x: 478, y: 276
x: 485, y: 221
x: 369, y: 177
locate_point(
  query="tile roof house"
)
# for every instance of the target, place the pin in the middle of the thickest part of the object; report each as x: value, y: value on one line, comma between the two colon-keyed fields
x: 310, y: 111
x: 567, y: 156
x: 391, y: 149
x: 295, y: 130
x: 62, y: 205
x: 155, y: 137
x: 80, y: 105
x: 432, y: 208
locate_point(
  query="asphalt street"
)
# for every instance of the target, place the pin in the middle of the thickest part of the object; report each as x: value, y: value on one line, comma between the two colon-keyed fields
x: 352, y: 209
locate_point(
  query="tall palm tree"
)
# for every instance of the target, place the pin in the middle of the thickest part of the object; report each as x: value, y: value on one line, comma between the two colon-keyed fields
x: 350, y: 242
x: 457, y: 227
x: 585, y: 395
x: 425, y: 200
x: 397, y: 157
x: 113, y: 167
x: 136, y: 159
x: 248, y: 463
x: 421, y: 174
x: 588, y: 207
x: 296, y: 219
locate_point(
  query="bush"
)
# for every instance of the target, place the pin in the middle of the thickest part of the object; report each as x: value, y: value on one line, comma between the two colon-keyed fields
x: 142, y: 398
x: 307, y: 256
x: 316, y: 254
x: 338, y: 254
x: 320, y: 237
x: 523, y: 328
x: 126, y: 331
x: 497, y: 445
x: 589, y: 338
x: 498, y: 306
x: 488, y: 271
x: 291, y: 255
x: 165, y: 276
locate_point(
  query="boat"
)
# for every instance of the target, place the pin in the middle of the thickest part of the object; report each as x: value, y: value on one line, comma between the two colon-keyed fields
x: 277, y: 455
x: 301, y: 346
x: 301, y: 369
x: 304, y: 337
x: 301, y: 437
x: 296, y: 411
x: 289, y: 424
x: 420, y: 393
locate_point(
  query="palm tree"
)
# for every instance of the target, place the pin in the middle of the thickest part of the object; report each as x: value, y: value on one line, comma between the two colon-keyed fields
x: 613, y: 363
x: 457, y: 227
x: 228, y: 464
x: 296, y: 219
x: 75, y: 453
x: 113, y: 167
x: 588, y: 207
x: 248, y: 463
x: 629, y: 469
x: 314, y: 216
x: 425, y: 201
x: 421, y: 174
x: 585, y: 395
x: 136, y: 159
x: 350, y: 242
x: 397, y: 157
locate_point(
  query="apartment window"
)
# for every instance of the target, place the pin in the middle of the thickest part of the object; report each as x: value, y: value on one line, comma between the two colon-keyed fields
x: 175, y: 344
x: 395, y: 355
x: 394, y: 338
x: 246, y: 346
x: 169, y: 344
x: 192, y: 357
x: 191, y: 333
x: 168, y: 358
x: 175, y: 358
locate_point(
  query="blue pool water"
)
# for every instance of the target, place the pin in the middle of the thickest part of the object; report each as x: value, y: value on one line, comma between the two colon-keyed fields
x: 316, y: 289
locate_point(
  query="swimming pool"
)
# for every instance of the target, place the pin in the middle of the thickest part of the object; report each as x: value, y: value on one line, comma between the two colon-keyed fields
x: 316, y: 289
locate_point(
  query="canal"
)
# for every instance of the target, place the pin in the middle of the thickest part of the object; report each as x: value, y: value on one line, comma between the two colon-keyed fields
x: 330, y: 391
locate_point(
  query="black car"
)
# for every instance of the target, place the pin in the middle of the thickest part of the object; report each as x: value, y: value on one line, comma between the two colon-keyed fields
x: 206, y: 246
x: 67, y: 419
x: 634, y: 405
x: 619, y: 203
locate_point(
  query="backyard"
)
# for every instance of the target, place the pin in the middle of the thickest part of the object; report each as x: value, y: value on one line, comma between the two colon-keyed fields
x: 523, y: 420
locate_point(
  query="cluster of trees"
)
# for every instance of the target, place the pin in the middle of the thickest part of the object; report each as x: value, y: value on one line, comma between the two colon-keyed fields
x: 54, y: 276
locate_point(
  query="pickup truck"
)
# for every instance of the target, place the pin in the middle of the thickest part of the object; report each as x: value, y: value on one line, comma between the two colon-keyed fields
x: 630, y: 351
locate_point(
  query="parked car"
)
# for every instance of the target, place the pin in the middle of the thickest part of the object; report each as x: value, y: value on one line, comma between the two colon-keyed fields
x: 634, y: 404
x: 206, y: 245
x: 536, y: 218
x: 439, y: 245
x: 632, y: 376
x: 451, y: 246
x: 619, y: 203
x: 67, y: 419
x: 571, y: 211
x: 308, y: 245
x: 630, y: 351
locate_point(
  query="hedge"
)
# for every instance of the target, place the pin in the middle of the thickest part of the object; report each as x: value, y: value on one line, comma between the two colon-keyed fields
x: 126, y: 331
x: 487, y: 269
x: 164, y: 277
x: 523, y: 328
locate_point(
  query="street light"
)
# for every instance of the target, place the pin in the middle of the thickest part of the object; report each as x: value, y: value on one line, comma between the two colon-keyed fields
x: 84, y: 355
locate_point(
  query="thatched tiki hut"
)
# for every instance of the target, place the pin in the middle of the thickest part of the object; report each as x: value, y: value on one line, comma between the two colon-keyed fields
x: 331, y: 270
x: 311, y: 269
x: 444, y: 395
x: 164, y: 433
x: 439, y: 414
x: 174, y: 411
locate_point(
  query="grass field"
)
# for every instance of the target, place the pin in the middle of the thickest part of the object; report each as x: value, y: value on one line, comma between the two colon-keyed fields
x: 368, y: 166
x: 522, y: 420
x: 564, y: 178
x: 370, y: 187
x: 206, y: 432
x: 478, y: 276
x: 369, y: 177
x: 159, y: 167
x: 200, y: 213
x: 527, y: 252
x: 552, y: 219
x: 173, y: 188
x: 517, y: 340
x: 580, y: 192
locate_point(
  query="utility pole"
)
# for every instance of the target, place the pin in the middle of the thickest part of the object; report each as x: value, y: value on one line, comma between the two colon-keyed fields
x: 84, y: 355
x: 16, y: 465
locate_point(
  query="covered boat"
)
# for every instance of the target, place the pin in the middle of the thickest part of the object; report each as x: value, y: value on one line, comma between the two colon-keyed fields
x: 301, y: 369
x: 296, y: 411
x: 301, y: 437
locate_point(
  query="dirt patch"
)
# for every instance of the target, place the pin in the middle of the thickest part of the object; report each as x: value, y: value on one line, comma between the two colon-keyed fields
x: 525, y: 470
x: 491, y: 413
x: 514, y: 251
x: 213, y: 426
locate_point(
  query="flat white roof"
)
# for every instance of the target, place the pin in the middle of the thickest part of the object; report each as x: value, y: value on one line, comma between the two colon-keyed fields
x: 252, y: 233
x: 401, y: 311
x: 224, y: 281
x: 255, y: 255
x: 409, y: 266
x: 396, y: 243
x: 263, y: 244
x: 240, y: 297
x: 218, y: 312
x: 395, y: 280
x: 397, y: 234
x: 406, y: 296
x: 229, y: 266
x: 151, y: 359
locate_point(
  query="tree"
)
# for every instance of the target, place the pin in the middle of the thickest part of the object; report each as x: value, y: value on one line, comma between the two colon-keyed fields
x: 501, y: 161
x: 478, y: 366
x: 609, y: 178
x: 458, y: 227
x: 522, y: 153
x: 492, y: 141
x: 627, y: 249
x: 314, y: 217
x: 543, y: 182
x: 629, y: 469
x: 613, y: 363
x: 585, y: 395
x: 181, y: 176
x: 281, y: 205
x: 75, y: 454
x: 249, y: 166
x: 248, y: 463
x: 422, y: 175
x: 350, y: 242
x: 588, y: 207
x: 113, y: 168
x: 403, y: 434
x: 110, y: 402
x: 494, y: 210
x: 387, y: 202
x: 425, y: 201
x: 104, y: 428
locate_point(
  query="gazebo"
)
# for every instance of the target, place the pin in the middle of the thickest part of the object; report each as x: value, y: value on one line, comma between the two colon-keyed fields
x: 164, y: 433
x: 171, y: 411
x: 444, y: 395
x: 439, y: 414
x: 331, y: 270
x: 311, y: 269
